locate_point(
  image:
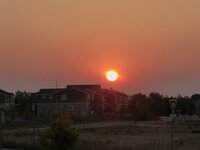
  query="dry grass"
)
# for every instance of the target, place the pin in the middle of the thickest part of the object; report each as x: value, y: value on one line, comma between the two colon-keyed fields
x: 138, y: 138
x: 140, y: 142
x: 118, y: 138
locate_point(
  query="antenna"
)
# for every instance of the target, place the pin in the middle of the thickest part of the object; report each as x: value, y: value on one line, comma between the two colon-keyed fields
x: 57, y: 79
x: 56, y: 83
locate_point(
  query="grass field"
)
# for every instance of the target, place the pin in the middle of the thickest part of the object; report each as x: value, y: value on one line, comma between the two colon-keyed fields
x: 139, y: 138
x: 118, y: 138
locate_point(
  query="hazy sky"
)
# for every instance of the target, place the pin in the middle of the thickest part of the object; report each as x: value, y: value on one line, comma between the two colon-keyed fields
x: 153, y: 44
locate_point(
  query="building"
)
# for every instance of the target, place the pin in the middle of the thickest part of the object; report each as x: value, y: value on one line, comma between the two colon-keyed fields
x: 78, y: 100
x: 89, y: 96
x: 46, y: 101
x: 114, y: 101
x: 6, y: 99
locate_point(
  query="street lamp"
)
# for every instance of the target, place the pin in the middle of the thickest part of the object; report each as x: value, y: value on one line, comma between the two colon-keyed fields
x: 172, y: 102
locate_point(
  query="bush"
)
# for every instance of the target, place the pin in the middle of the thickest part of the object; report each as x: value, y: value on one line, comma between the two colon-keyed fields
x: 59, y: 135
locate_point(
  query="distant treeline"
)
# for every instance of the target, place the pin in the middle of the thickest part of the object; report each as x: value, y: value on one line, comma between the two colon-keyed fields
x: 143, y: 107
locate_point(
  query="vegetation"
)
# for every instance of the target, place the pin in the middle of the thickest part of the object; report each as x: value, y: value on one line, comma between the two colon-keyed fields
x: 138, y: 138
x: 125, y: 137
x: 59, y: 135
x: 150, y: 107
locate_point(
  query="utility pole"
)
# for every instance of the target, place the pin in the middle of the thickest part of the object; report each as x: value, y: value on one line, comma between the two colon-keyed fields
x: 56, y: 95
x: 172, y: 132
x: 56, y: 83
x: 173, y: 107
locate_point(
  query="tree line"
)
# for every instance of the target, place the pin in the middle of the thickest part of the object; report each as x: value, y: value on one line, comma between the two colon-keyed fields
x: 143, y: 107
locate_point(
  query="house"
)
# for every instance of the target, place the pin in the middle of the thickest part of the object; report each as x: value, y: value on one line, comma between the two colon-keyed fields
x: 46, y: 101
x: 78, y: 100
x: 114, y: 101
x: 89, y: 95
x: 6, y: 99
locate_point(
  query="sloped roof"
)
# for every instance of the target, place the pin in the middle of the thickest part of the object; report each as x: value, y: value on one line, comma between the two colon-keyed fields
x: 86, y: 86
x: 5, y: 93
x: 112, y: 92
x: 94, y: 88
x: 49, y: 91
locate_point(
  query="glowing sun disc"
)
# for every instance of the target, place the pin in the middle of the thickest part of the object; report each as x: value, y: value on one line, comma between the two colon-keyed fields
x: 112, y: 75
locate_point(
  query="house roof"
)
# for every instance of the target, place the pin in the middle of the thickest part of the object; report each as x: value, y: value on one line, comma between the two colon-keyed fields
x: 5, y: 93
x: 94, y: 88
x: 49, y: 91
x: 86, y: 86
x: 112, y: 92
x: 87, y: 89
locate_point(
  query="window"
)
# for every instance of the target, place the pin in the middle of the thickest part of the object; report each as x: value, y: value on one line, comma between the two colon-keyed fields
x: 88, y: 97
x: 63, y: 97
x: 70, y: 108
x: 43, y: 96
x: 6, y: 98
x: 103, y: 98
x: 91, y: 97
x: 50, y: 97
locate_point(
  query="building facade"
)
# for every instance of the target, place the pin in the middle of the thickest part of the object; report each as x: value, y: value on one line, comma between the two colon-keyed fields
x: 78, y: 100
x: 6, y: 99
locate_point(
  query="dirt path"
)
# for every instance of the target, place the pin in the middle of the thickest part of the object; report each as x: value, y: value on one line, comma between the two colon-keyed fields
x: 120, y: 123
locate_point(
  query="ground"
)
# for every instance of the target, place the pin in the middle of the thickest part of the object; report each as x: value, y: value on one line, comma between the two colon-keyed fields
x: 119, y: 136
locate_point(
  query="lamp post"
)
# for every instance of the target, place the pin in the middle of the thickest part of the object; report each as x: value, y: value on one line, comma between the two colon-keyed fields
x: 173, y: 107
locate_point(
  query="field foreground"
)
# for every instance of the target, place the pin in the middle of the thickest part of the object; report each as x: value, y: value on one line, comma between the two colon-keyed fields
x: 117, y: 137
x: 139, y: 138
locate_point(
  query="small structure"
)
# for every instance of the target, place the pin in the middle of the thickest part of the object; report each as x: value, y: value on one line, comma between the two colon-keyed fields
x: 6, y: 99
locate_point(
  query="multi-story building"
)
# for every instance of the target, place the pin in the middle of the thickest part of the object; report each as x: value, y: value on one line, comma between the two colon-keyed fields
x: 78, y: 100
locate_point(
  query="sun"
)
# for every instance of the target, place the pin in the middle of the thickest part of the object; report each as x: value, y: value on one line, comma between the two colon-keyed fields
x: 112, y: 75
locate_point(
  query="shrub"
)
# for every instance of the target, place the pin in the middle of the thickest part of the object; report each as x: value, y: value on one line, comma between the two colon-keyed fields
x: 59, y: 135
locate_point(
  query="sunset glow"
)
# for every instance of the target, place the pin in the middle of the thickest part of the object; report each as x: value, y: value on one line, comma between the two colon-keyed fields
x: 153, y: 45
x: 112, y: 75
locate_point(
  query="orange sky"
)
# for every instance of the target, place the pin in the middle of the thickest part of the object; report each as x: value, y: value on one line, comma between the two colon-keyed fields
x: 155, y: 45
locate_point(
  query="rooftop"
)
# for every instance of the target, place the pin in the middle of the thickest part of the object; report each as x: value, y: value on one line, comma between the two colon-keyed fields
x: 5, y: 93
x: 86, y: 86
x: 49, y: 91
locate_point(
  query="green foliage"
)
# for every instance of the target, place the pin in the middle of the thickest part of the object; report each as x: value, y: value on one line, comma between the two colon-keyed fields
x: 59, y: 135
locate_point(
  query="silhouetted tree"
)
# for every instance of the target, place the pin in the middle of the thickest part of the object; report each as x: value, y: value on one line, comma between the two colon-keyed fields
x: 195, y: 97
x: 181, y: 106
x: 138, y: 106
x: 156, y: 104
x: 142, y: 107
x: 196, y: 102
x: 166, y: 110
